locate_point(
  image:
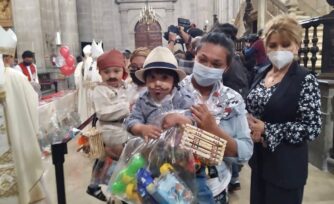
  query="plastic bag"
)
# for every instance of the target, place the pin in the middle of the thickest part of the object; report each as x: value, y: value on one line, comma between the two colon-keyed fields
x: 159, y: 171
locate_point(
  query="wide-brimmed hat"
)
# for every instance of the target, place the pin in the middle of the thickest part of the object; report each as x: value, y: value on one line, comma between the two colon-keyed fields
x: 160, y: 58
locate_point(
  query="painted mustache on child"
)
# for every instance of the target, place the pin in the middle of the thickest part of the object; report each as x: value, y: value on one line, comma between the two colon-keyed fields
x: 112, y: 80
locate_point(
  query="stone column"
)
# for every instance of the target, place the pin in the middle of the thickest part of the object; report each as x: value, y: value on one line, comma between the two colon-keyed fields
x: 224, y: 11
x: 69, y: 25
x: 261, y: 13
x: 28, y: 28
x: 124, y: 28
x: 84, y: 18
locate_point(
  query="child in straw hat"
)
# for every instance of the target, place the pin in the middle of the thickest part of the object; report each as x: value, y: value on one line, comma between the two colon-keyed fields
x: 161, y: 77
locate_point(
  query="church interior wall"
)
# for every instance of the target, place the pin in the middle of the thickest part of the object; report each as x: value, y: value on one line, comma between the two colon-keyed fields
x: 28, y: 28
x: 36, y: 22
x: 84, y: 16
x: 114, y: 23
x: 69, y: 25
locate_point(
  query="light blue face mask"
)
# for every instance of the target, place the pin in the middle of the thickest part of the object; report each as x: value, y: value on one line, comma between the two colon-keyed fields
x: 206, y: 76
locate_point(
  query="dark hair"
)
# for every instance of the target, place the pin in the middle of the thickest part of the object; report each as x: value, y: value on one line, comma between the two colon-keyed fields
x: 169, y: 72
x: 127, y: 54
x: 260, y: 32
x: 228, y: 29
x: 218, y: 39
x: 27, y: 53
x: 194, y: 32
x: 79, y: 59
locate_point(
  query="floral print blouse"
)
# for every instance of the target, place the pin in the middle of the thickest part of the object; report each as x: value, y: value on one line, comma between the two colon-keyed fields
x: 306, y: 127
x: 229, y: 110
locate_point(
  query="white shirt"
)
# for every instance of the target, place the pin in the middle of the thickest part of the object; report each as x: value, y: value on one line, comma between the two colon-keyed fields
x: 33, y: 77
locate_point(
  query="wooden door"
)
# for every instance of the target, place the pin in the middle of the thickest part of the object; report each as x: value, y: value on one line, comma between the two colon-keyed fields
x: 148, y: 35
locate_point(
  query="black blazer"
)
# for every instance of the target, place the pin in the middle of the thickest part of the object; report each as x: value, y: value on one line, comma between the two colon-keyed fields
x: 287, y: 165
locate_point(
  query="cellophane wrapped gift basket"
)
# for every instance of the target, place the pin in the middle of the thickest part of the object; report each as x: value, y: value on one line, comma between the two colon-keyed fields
x: 163, y: 170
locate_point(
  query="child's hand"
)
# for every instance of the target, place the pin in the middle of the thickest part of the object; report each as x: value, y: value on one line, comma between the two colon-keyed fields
x: 150, y: 132
x: 173, y: 119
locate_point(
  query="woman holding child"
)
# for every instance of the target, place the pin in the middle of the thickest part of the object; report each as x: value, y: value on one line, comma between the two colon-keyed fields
x: 217, y: 109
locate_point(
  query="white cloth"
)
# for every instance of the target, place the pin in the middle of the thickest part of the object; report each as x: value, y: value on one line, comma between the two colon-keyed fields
x: 86, y: 78
x: 111, y: 106
x: 2, y: 72
x: 33, y: 77
x: 22, y: 125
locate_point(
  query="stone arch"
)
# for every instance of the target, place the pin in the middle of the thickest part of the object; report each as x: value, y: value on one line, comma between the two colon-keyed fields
x: 148, y: 35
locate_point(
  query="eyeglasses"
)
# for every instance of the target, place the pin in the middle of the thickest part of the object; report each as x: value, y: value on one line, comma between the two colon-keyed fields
x: 134, y: 67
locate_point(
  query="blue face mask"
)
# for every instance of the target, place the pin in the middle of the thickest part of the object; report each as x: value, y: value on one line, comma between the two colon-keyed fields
x: 206, y: 76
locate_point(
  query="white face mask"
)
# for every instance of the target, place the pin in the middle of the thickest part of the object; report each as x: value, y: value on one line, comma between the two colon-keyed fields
x: 206, y: 76
x: 280, y: 58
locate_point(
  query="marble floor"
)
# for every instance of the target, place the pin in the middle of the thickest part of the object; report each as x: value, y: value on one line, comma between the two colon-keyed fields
x: 319, y: 188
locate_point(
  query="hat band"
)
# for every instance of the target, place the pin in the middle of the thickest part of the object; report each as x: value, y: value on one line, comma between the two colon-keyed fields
x: 7, y: 51
x: 160, y: 64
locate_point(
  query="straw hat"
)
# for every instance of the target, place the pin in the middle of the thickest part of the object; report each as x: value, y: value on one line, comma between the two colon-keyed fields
x: 160, y: 58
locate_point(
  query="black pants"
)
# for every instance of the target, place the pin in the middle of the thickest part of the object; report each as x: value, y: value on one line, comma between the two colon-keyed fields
x: 263, y: 192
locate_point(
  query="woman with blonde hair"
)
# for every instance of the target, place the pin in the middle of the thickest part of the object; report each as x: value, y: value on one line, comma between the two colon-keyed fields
x: 284, y: 107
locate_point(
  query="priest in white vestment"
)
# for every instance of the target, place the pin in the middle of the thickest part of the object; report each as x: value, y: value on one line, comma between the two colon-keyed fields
x: 21, y: 166
x: 86, y: 78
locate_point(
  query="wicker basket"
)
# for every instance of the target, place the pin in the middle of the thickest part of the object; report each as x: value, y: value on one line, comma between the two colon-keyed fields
x: 210, y: 148
x: 96, y: 145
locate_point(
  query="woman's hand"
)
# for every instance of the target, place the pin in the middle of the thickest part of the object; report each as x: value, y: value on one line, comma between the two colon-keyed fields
x: 207, y: 122
x: 204, y: 118
x: 173, y: 119
x: 257, y: 128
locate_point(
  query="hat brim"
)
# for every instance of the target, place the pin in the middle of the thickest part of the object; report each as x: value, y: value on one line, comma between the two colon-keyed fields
x: 140, y: 73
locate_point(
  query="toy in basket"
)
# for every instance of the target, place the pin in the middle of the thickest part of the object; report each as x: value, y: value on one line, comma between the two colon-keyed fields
x: 95, y: 140
x: 166, y: 189
x: 205, y: 145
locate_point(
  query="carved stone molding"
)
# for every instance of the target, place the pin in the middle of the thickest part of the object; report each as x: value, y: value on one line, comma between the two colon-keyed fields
x: 158, y: 5
x: 142, y: 1
x: 6, y: 19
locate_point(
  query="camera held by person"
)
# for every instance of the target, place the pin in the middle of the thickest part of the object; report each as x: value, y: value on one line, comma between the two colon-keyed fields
x: 185, y: 23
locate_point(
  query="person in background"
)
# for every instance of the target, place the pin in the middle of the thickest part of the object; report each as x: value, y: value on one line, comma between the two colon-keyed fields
x: 185, y: 59
x: 257, y: 50
x: 27, y: 66
x: 79, y: 59
x: 127, y: 55
x: 179, y: 54
x: 85, y: 81
x: 137, y: 87
x: 29, y: 69
x: 188, y: 37
x: 284, y: 107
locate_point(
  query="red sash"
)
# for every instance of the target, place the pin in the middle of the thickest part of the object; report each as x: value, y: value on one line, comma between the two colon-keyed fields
x: 26, y: 72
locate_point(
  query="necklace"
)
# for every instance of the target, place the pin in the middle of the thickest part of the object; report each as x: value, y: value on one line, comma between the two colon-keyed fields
x: 272, y: 79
